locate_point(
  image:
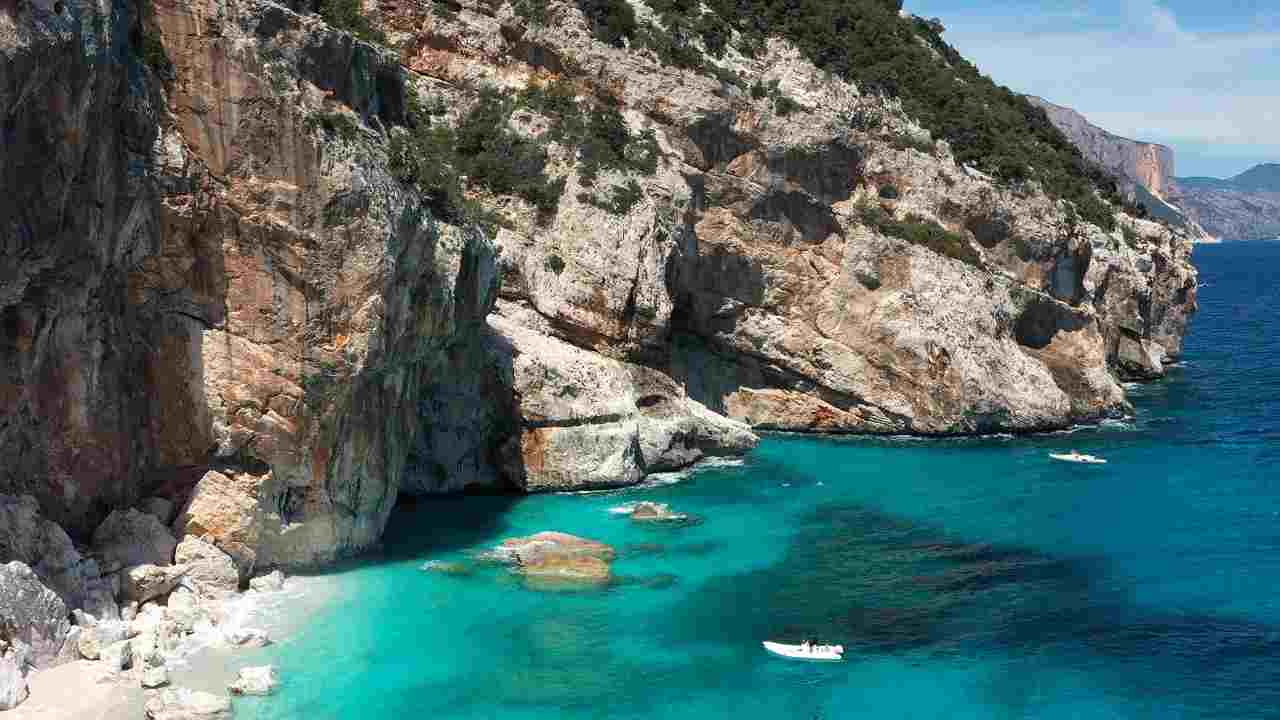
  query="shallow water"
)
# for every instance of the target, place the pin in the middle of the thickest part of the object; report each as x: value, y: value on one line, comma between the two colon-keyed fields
x: 966, y: 579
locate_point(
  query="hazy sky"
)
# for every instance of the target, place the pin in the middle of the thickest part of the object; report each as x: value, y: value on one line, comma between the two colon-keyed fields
x: 1200, y: 75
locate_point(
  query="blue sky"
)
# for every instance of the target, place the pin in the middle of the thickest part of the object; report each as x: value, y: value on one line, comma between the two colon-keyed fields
x: 1200, y: 75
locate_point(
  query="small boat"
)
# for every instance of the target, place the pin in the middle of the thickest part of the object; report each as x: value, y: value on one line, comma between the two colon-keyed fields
x: 1077, y: 457
x: 818, y: 653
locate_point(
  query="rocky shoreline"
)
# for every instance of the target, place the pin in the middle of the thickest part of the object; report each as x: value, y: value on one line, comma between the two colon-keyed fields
x: 130, y: 618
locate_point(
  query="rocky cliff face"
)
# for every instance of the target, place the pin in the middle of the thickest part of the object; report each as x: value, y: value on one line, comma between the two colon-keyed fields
x: 1148, y: 164
x: 1246, y: 207
x: 217, y: 287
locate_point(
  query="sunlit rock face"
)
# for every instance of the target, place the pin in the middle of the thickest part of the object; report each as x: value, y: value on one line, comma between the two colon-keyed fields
x: 215, y: 289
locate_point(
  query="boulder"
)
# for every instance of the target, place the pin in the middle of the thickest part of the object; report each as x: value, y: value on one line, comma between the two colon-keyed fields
x: 159, y: 508
x: 537, y: 548
x: 33, y: 613
x: 118, y: 656
x: 184, y: 611
x: 645, y: 511
x: 70, y: 651
x: 14, y: 660
x: 132, y: 537
x: 271, y: 582
x: 184, y: 704
x: 155, y: 677
x: 224, y: 510
x: 43, y: 546
x: 255, y: 681
x: 210, y: 572
x: 98, y: 638
x: 146, y: 582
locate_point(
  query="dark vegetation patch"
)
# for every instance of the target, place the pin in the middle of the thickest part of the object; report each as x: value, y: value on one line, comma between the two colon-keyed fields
x: 867, y: 41
x: 435, y: 158
x: 618, y: 200
x: 145, y: 40
x: 600, y: 135
x: 348, y: 16
x: 920, y: 231
x: 612, y: 21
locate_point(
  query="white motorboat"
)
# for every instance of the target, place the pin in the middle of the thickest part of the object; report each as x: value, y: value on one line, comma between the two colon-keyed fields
x: 818, y: 653
x: 1077, y: 457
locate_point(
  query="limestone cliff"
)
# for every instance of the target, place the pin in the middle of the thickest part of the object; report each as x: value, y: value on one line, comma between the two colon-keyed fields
x: 225, y: 281
x: 1148, y: 164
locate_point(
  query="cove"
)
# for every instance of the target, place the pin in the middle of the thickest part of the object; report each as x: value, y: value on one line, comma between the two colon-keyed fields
x: 966, y: 578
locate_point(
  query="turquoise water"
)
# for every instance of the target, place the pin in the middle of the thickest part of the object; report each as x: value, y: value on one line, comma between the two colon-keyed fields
x: 966, y: 579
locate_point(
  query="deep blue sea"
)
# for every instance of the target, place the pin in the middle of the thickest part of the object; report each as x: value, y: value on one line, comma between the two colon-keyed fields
x: 966, y: 579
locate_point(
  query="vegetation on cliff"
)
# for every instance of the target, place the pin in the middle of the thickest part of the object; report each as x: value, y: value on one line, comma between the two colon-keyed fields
x: 871, y: 43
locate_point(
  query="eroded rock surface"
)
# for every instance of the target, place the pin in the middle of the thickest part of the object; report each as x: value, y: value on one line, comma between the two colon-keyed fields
x: 218, y: 292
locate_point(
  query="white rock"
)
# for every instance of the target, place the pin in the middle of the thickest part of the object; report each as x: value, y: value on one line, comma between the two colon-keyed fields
x: 210, y: 573
x: 147, y: 582
x: 118, y: 656
x: 255, y: 681
x: 129, y: 612
x: 94, y: 640
x: 13, y: 679
x: 184, y: 704
x: 70, y: 651
x: 154, y: 677
x: 247, y: 637
x: 271, y: 582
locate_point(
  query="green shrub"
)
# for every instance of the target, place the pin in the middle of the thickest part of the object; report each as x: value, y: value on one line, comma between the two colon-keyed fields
x: 920, y: 231
x: 151, y: 51
x: 905, y: 141
x: 870, y: 43
x: 553, y: 263
x: 436, y: 158
x: 620, y: 199
x: 533, y: 11
x: 888, y: 192
x: 348, y: 15
x: 611, y: 21
x: 338, y: 124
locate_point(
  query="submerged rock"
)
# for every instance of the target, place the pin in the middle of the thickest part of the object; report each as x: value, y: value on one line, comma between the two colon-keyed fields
x: 554, y: 560
x: 455, y: 569
x: 255, y: 681
x: 184, y: 704
x: 657, y: 513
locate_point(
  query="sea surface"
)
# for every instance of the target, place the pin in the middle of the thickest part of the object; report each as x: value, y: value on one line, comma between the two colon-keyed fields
x: 966, y: 579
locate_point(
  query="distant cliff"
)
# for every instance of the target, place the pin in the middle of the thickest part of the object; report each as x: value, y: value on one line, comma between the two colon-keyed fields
x: 1245, y: 207
x: 1147, y: 164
